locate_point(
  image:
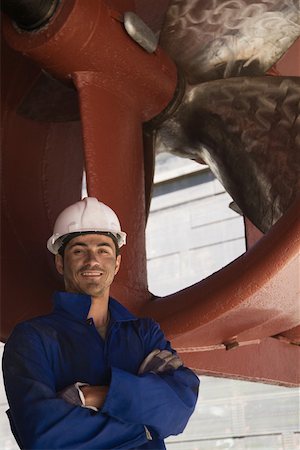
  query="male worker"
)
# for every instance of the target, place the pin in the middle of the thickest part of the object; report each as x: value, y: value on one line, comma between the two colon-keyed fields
x: 91, y: 375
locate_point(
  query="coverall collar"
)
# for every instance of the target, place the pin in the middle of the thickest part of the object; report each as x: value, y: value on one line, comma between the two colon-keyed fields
x: 78, y: 306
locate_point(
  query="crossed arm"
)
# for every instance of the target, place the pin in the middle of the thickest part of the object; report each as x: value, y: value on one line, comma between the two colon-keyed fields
x: 158, y: 361
x: 40, y: 419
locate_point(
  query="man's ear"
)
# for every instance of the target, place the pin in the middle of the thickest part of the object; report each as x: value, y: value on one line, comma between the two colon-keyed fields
x: 118, y: 263
x: 59, y: 263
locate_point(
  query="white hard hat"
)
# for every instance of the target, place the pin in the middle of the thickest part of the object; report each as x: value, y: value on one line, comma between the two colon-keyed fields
x: 86, y: 215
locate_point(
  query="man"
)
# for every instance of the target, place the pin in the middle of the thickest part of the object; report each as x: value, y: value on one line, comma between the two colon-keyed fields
x: 91, y: 375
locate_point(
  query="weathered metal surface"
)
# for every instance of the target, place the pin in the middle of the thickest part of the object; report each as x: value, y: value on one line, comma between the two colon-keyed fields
x: 101, y: 46
x: 250, y: 123
x: 237, y: 122
x: 119, y: 87
x: 268, y: 361
x: 215, y: 39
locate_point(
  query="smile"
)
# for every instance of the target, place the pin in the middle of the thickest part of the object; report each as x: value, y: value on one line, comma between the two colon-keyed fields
x: 93, y: 273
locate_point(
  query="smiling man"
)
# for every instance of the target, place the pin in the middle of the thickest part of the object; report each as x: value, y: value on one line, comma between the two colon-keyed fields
x: 91, y: 375
x: 90, y: 265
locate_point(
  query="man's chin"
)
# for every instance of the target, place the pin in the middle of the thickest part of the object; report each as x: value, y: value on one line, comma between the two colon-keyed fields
x: 91, y: 288
x: 93, y: 291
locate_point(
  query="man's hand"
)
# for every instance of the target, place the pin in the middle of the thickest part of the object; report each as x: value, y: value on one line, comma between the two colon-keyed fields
x: 159, y: 361
x: 94, y: 395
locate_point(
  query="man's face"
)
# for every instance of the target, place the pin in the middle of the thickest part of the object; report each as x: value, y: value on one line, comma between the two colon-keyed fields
x: 89, y: 264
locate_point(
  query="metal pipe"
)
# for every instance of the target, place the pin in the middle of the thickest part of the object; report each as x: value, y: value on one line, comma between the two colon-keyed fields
x: 29, y: 14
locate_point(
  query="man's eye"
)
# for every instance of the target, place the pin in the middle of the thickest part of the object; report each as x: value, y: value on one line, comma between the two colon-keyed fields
x: 77, y: 251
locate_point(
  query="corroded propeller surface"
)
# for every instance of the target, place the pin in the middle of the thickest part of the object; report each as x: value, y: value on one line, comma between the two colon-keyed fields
x: 213, y: 39
x: 248, y: 131
x: 247, y: 128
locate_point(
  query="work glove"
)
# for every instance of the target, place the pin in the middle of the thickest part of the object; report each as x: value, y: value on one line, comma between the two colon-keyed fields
x: 73, y: 395
x: 159, y: 361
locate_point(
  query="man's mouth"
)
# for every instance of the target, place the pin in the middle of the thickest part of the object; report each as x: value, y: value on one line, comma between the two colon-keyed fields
x: 92, y: 273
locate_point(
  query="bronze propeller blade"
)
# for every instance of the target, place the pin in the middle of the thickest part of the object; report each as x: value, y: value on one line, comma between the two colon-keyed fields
x: 213, y: 39
x: 248, y: 131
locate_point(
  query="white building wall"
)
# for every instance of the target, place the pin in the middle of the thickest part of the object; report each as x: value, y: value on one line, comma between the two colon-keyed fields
x: 191, y: 230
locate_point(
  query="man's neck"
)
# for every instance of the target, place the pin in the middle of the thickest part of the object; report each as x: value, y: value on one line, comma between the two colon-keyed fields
x: 99, y: 311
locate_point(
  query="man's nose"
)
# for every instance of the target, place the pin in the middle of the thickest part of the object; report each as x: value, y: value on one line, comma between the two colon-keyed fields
x: 92, y: 257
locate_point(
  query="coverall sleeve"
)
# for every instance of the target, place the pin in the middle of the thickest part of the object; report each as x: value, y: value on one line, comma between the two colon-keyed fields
x: 41, y: 420
x: 163, y: 402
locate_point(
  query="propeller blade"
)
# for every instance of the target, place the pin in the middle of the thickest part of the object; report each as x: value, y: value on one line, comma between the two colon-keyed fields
x: 214, y: 39
x: 248, y: 131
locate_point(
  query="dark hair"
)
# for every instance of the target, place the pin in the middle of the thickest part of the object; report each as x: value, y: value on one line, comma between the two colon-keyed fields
x: 65, y: 239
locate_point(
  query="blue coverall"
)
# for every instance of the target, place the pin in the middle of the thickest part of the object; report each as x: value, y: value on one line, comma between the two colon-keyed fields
x: 48, y: 353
